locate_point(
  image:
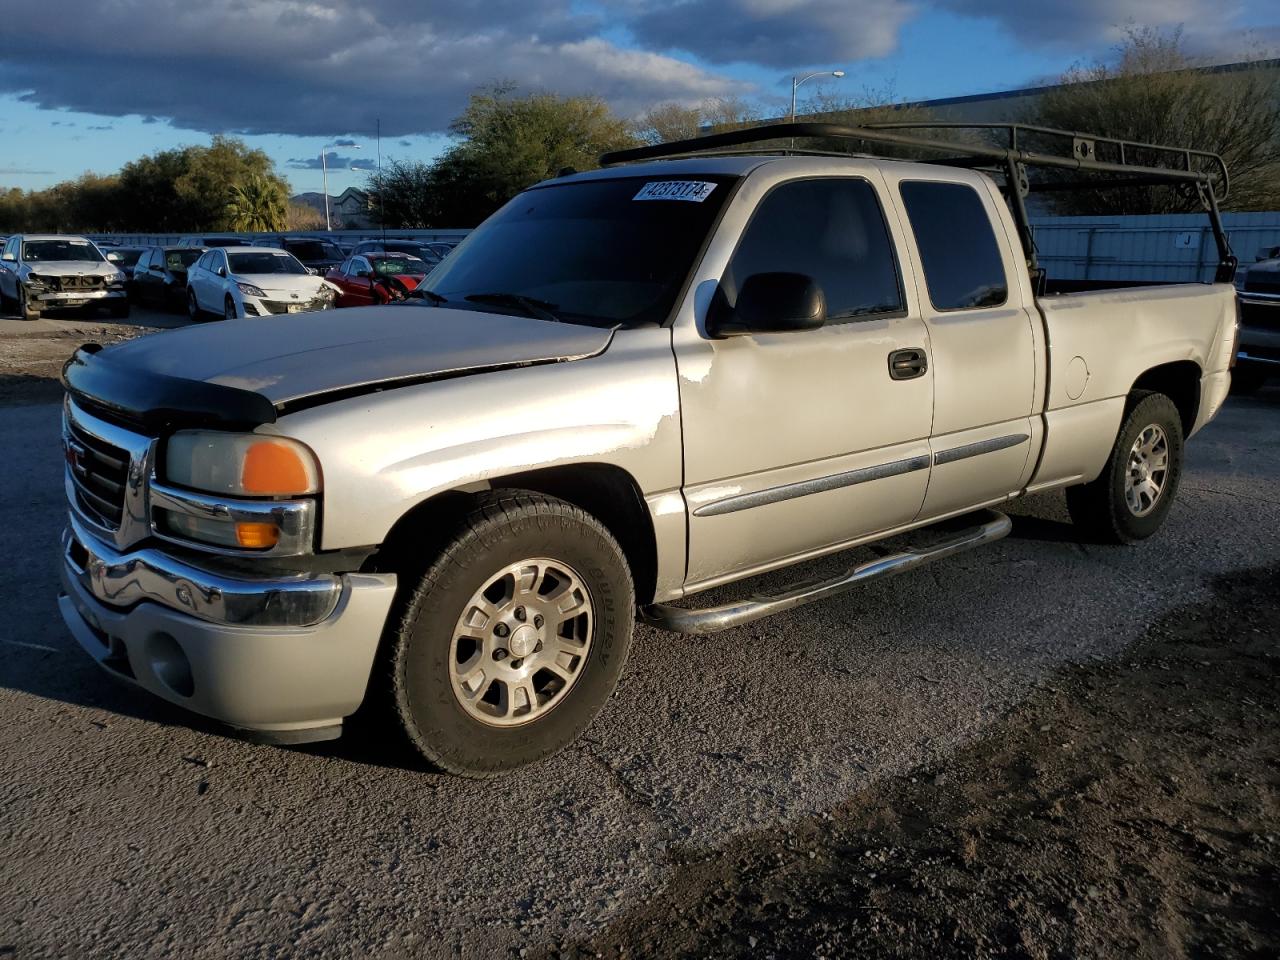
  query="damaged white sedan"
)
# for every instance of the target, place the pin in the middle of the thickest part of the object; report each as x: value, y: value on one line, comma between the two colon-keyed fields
x: 232, y: 282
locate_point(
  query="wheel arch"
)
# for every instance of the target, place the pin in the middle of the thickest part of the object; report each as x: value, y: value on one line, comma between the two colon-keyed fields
x: 606, y: 491
x: 1179, y: 381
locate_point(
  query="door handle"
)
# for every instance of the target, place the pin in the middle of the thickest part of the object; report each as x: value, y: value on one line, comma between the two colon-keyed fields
x: 907, y: 364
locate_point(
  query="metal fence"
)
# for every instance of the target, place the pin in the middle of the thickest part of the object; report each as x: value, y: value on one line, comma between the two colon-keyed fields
x: 369, y: 233
x: 1168, y: 247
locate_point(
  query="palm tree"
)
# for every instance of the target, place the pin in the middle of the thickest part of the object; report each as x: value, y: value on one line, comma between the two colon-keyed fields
x: 258, y: 205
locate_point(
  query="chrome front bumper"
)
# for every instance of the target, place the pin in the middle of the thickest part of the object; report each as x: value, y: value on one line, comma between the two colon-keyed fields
x: 124, y: 579
x: 284, y: 658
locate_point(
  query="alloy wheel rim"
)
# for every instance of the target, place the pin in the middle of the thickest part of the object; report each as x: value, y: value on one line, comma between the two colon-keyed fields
x: 521, y: 642
x: 1147, y: 470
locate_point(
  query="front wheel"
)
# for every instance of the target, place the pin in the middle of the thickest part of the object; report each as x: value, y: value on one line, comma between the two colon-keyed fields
x: 25, y: 309
x: 1131, y: 498
x: 194, y: 313
x: 512, y: 640
x: 229, y: 311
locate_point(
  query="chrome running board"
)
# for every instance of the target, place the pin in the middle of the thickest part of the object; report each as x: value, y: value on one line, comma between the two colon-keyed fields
x: 991, y: 526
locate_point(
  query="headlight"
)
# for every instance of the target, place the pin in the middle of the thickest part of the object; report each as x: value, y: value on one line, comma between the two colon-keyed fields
x: 32, y: 278
x: 116, y: 279
x: 243, y: 464
x: 250, y: 290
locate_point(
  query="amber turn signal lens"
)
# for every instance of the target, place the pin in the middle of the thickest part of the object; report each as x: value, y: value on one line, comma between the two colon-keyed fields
x: 257, y: 535
x: 272, y: 467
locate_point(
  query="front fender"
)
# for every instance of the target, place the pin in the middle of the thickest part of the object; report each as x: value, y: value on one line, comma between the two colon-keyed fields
x: 382, y: 454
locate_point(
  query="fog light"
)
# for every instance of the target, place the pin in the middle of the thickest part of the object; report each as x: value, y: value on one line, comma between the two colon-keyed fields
x: 257, y: 535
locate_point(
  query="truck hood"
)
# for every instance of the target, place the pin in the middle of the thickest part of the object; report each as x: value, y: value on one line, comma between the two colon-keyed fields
x: 295, y: 357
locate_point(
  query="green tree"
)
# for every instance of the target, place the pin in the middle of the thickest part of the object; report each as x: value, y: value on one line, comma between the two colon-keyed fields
x: 511, y: 141
x: 405, y: 194
x: 1154, y: 92
x: 259, y: 204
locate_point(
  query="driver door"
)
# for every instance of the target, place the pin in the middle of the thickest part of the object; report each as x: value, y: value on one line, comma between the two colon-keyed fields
x: 797, y: 443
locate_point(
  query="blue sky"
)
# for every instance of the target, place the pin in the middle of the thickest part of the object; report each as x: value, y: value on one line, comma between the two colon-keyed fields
x: 98, y: 82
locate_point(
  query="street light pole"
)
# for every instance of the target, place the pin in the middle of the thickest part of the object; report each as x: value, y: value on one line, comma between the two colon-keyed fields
x: 796, y: 81
x: 324, y: 170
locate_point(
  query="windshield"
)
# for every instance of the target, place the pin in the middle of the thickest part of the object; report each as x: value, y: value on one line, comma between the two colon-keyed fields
x: 312, y: 250
x: 393, y: 266
x: 46, y: 251
x: 265, y: 262
x: 594, y: 252
x: 125, y: 257
x: 177, y: 261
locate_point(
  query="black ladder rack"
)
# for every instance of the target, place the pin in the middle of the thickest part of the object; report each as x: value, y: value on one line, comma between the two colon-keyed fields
x: 1199, y: 171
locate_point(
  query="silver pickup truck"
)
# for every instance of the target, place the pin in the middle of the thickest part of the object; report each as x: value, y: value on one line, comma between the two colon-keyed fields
x: 626, y: 387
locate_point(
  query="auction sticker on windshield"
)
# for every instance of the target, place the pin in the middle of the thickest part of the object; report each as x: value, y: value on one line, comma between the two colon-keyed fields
x: 694, y: 190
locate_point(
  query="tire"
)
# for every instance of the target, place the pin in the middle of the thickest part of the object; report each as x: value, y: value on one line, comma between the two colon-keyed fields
x: 1129, y: 501
x: 229, y: 311
x: 564, y: 553
x: 194, y: 313
x: 25, y: 310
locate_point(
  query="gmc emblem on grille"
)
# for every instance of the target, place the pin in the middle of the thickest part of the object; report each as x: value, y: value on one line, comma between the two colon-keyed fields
x: 75, y: 458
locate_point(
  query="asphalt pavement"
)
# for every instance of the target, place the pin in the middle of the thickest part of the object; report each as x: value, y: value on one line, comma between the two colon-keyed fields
x: 128, y: 829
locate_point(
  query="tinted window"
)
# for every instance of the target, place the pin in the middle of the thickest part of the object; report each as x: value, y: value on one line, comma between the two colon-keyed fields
x: 831, y: 230
x: 177, y: 261
x: 958, y: 248
x: 313, y: 250
x: 599, y: 251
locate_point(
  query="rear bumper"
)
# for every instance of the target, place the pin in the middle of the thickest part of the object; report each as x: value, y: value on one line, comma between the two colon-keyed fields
x: 281, y: 683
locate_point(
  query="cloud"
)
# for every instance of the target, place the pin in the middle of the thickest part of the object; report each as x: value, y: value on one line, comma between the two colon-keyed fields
x: 344, y: 143
x: 1094, y: 24
x: 21, y: 172
x: 303, y: 67
x: 334, y: 161
x: 406, y: 143
x: 775, y: 33
x: 297, y: 66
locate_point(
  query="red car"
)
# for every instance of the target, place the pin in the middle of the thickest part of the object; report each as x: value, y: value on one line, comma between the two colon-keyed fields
x: 376, y: 278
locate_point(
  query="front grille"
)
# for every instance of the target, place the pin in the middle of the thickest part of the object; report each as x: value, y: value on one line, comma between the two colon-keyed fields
x: 87, y: 282
x: 276, y: 306
x: 99, y: 474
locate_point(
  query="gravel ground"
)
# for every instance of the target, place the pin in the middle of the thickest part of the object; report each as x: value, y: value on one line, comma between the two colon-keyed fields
x: 129, y: 830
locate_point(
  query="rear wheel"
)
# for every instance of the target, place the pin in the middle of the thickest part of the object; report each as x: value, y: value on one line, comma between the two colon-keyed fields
x: 1131, y: 498
x: 512, y: 640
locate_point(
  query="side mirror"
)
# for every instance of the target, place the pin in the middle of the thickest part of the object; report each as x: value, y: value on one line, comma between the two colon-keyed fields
x: 222, y: 271
x: 10, y: 257
x: 769, y: 303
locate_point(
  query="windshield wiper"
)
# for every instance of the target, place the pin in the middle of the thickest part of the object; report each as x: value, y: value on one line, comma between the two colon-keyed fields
x: 534, y: 307
x: 422, y: 293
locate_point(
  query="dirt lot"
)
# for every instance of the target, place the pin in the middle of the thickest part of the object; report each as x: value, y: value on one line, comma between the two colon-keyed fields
x: 1128, y: 808
x: 32, y: 352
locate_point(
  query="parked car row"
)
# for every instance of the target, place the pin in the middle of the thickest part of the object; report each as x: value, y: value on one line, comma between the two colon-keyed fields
x: 210, y: 276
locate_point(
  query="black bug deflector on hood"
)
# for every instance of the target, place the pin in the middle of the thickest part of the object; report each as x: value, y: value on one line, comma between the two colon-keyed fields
x: 246, y: 372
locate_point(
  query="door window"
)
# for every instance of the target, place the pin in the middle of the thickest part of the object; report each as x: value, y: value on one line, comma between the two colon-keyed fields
x: 832, y: 230
x: 962, y: 265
